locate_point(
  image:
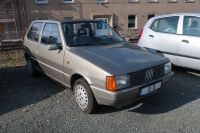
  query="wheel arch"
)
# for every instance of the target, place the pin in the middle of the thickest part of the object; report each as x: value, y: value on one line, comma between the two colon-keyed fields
x: 26, y: 55
x: 77, y: 76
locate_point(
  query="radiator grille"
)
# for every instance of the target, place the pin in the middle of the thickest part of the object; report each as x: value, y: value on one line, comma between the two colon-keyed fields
x: 146, y: 75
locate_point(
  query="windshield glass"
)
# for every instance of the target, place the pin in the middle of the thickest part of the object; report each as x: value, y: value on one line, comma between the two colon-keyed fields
x: 89, y: 33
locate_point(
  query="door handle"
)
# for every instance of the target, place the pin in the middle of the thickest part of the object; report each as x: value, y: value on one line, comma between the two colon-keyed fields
x: 152, y: 36
x: 185, y: 41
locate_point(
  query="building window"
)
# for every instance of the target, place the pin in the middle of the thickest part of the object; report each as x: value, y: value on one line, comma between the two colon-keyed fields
x: 189, y: 1
x: 150, y: 16
x: 102, y: 1
x: 67, y: 1
x: 131, y: 21
x: 41, y: 1
x: 133, y: 1
x: 153, y: 1
x: 68, y: 18
x: 172, y: 1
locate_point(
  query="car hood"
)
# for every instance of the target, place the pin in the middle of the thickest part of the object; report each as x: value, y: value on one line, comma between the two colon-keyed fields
x: 119, y: 58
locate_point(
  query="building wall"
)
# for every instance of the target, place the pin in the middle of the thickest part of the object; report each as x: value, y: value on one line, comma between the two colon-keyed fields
x: 119, y: 9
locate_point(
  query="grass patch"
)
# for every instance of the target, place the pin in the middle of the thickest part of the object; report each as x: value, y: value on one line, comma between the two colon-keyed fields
x: 12, y: 58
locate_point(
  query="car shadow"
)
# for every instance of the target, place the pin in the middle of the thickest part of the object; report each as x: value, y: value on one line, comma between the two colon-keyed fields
x: 17, y: 89
x: 182, y: 89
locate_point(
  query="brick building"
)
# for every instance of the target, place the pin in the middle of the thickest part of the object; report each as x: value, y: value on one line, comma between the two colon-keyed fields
x: 126, y: 16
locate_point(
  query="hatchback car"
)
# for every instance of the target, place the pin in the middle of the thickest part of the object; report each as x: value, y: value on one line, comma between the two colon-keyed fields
x: 89, y: 57
x: 176, y: 35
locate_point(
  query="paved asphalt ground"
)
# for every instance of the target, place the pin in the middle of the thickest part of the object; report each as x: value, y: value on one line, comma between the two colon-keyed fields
x: 41, y: 105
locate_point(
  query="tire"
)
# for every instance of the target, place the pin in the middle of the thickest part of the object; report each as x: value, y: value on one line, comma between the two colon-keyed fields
x: 84, y: 96
x: 31, y: 67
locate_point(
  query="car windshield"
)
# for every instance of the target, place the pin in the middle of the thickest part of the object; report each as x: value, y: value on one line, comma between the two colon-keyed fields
x: 89, y: 33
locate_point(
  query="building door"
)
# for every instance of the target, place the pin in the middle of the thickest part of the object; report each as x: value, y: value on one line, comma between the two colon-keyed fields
x: 100, y: 29
x: 103, y: 19
x: 107, y: 18
x: 2, y: 27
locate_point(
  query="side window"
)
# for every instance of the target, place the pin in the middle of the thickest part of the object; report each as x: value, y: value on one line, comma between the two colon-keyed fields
x: 154, y: 26
x: 168, y: 25
x: 191, y: 26
x: 51, y: 34
x: 34, y: 31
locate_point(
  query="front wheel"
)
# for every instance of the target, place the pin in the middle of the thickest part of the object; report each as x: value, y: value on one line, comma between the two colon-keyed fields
x: 84, y: 96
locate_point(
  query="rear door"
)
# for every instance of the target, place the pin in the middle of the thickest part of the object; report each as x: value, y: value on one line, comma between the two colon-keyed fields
x: 189, y: 43
x: 162, y: 36
x: 51, y: 61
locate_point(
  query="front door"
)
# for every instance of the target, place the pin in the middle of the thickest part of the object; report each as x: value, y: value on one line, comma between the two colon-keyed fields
x: 51, y: 61
x: 32, y: 38
x: 189, y: 43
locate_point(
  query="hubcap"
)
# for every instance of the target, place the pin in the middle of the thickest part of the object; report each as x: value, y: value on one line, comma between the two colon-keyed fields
x: 81, y: 96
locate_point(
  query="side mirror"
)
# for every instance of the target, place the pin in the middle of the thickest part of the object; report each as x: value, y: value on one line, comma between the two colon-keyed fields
x: 54, y: 47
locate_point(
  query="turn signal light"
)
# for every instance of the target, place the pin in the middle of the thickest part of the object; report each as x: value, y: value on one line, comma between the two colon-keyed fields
x: 111, y: 83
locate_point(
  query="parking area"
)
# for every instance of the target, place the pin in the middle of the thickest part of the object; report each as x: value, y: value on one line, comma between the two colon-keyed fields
x: 41, y: 105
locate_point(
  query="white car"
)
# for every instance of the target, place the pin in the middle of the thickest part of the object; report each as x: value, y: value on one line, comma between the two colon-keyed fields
x: 176, y: 35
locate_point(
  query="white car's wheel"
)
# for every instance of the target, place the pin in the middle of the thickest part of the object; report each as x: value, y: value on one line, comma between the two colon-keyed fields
x: 84, y: 96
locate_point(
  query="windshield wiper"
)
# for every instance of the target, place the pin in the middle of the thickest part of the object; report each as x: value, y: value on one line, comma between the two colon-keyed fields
x: 110, y: 43
x: 85, y: 44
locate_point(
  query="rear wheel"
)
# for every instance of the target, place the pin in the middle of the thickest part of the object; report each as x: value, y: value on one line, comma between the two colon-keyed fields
x: 84, y: 96
x: 31, y: 67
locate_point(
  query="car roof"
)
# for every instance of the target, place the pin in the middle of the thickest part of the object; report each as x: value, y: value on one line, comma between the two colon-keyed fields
x: 50, y: 21
x: 179, y: 14
x: 68, y: 21
x: 80, y: 20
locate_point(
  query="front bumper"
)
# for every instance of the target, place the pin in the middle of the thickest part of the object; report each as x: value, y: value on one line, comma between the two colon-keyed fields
x: 123, y: 97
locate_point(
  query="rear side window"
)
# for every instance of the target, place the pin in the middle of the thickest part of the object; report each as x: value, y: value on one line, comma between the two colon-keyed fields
x: 34, y: 31
x: 154, y: 26
x: 51, y: 34
x: 166, y: 25
x: 191, y: 26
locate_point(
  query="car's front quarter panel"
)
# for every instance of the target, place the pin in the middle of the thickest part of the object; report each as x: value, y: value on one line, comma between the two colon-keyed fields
x: 126, y: 96
x: 74, y: 64
x: 144, y: 41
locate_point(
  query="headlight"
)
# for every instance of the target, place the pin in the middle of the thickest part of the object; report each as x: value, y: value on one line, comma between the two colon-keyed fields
x: 114, y: 83
x: 123, y: 81
x: 167, y: 68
